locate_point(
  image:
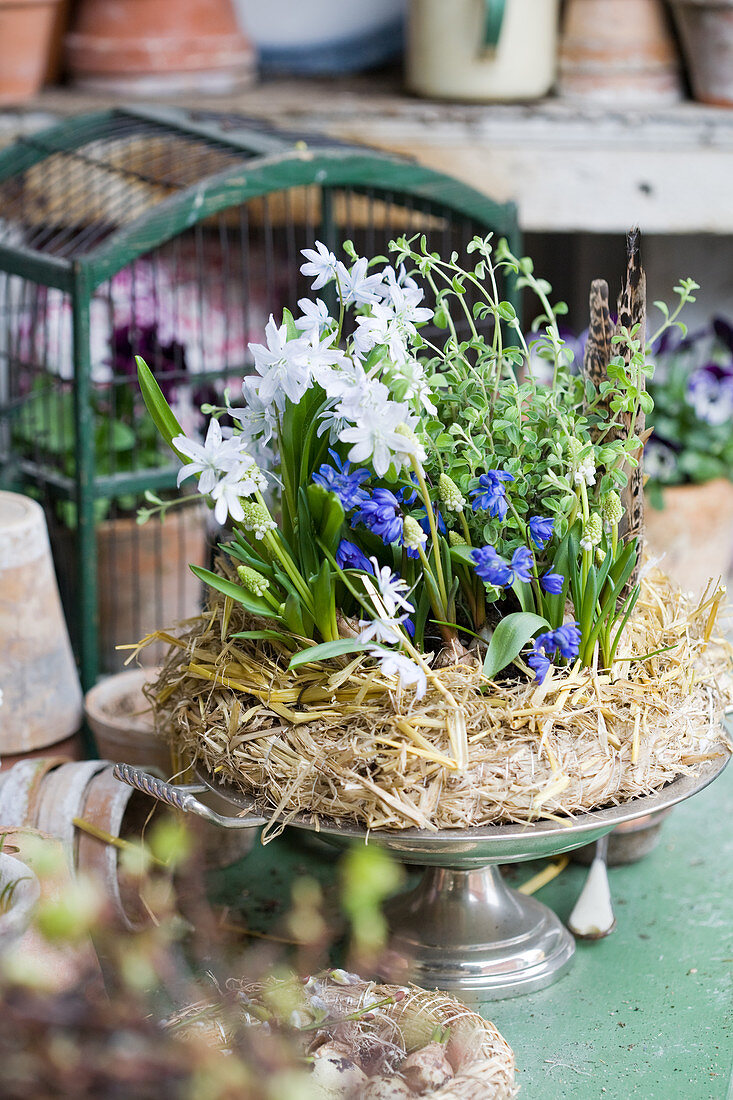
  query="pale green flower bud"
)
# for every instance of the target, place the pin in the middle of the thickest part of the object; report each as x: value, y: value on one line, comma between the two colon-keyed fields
x: 455, y: 539
x: 450, y: 494
x: 575, y: 449
x: 592, y: 532
x: 257, y: 519
x: 252, y: 580
x: 413, y: 535
x: 612, y: 509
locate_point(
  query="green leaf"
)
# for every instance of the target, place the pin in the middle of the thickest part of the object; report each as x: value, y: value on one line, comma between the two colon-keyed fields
x: 265, y: 636
x: 322, y: 588
x: 509, y: 638
x: 326, y: 650
x: 162, y: 415
x: 462, y: 555
x: 253, y: 603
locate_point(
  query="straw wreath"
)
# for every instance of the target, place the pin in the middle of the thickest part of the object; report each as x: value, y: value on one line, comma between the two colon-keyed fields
x: 334, y: 739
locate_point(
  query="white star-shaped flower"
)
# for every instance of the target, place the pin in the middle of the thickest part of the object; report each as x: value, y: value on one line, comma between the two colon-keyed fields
x: 321, y: 265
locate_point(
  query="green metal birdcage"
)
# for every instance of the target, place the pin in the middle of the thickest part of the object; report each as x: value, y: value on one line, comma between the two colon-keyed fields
x: 172, y: 235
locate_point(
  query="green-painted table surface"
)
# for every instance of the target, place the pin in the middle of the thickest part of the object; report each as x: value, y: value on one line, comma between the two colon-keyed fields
x: 647, y: 1012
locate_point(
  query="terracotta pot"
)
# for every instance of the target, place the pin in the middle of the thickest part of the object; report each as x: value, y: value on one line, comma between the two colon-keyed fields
x: 38, y: 677
x: 122, y: 723
x: 487, y: 50
x: 20, y: 789
x: 61, y: 799
x: 693, y: 533
x: 145, y: 583
x: 27, y: 30
x: 618, y: 51
x: 628, y: 843
x: 706, y: 32
x: 145, y: 47
x: 118, y: 810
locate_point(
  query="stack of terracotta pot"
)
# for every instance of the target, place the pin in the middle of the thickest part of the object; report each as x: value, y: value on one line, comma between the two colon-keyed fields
x: 50, y: 794
x: 41, y: 696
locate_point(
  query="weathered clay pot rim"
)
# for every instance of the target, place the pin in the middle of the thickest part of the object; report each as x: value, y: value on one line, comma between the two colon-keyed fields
x: 112, y: 687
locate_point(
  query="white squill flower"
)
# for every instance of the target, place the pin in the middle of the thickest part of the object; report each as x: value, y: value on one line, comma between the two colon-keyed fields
x: 321, y: 265
x: 381, y: 629
x: 356, y: 286
x: 392, y: 589
x: 315, y: 318
x: 282, y: 366
x: 256, y: 419
x: 210, y: 459
x: 375, y: 437
x: 407, y: 672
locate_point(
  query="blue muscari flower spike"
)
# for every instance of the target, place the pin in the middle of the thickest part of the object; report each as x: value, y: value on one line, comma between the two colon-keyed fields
x: 491, y: 495
x: 341, y: 480
x: 382, y: 514
x: 552, y: 583
x: 540, y: 530
x: 349, y: 556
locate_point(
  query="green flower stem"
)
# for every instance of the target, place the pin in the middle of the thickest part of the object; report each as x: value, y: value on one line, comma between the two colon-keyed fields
x: 441, y: 610
x: 464, y: 525
x: 277, y: 550
x: 433, y: 533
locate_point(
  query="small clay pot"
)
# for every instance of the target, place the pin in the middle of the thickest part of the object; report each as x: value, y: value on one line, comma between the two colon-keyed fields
x: 692, y: 534
x: 27, y: 30
x: 146, y: 47
x: 618, y: 52
x: 706, y: 32
x: 121, y: 720
x: 628, y: 843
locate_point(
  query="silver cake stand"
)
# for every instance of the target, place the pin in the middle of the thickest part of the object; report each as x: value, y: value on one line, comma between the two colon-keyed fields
x: 461, y: 929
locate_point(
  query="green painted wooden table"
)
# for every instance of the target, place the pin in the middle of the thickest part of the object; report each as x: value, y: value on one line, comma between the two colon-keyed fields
x: 647, y: 1012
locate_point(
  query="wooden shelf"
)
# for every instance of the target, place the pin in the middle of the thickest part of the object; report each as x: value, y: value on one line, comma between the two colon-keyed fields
x: 569, y: 168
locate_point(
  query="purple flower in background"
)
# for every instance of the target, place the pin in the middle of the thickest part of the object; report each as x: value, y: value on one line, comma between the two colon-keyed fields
x: 381, y: 513
x: 340, y: 479
x: 710, y: 394
x: 349, y: 556
x: 166, y: 361
x: 491, y: 495
x: 552, y: 583
x: 490, y: 567
x: 540, y: 530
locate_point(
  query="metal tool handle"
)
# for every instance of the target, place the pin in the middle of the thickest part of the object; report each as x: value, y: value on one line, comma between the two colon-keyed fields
x: 182, y: 797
